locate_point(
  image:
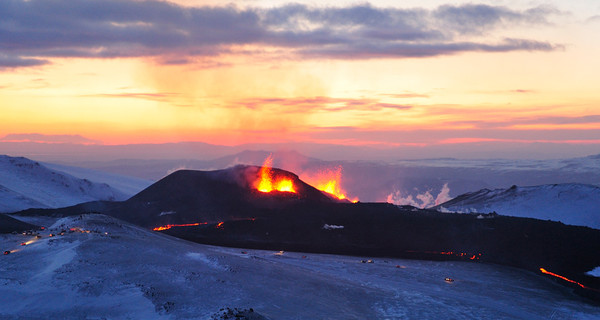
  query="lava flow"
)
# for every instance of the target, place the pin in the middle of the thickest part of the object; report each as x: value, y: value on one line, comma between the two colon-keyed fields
x: 169, y: 226
x: 561, y: 277
x: 268, y: 183
x: 329, y: 181
x: 463, y: 255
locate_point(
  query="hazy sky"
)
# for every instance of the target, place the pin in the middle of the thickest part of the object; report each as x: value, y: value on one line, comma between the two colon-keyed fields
x: 381, y: 73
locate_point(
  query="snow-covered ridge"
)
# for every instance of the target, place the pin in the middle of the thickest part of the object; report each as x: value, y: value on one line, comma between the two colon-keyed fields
x: 28, y: 184
x: 574, y: 204
x: 124, y: 183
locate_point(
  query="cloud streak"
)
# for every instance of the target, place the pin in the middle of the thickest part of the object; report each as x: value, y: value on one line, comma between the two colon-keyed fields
x: 298, y: 105
x: 33, y: 32
x: 444, y: 135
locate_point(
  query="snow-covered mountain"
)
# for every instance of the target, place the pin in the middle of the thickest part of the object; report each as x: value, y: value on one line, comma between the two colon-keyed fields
x: 28, y: 184
x: 574, y: 204
x: 125, y: 183
x: 105, y: 268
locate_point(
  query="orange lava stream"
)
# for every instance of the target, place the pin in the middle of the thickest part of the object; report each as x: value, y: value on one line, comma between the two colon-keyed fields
x: 561, y: 277
x: 473, y: 257
x: 169, y: 226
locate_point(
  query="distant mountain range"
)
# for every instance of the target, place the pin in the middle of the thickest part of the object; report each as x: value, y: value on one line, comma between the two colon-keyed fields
x: 28, y: 184
x: 574, y: 204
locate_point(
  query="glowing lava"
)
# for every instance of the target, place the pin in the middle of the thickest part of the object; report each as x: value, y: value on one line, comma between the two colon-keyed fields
x: 169, y: 226
x: 268, y: 183
x: 463, y: 255
x: 561, y: 277
x: 330, y: 181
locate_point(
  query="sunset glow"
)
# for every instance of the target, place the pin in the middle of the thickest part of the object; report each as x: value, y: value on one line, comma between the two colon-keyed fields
x: 383, y: 74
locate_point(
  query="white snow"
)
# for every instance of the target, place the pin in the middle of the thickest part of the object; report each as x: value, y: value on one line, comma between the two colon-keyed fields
x: 126, y: 184
x: 29, y: 184
x: 206, y: 260
x: 574, y: 204
x: 133, y: 273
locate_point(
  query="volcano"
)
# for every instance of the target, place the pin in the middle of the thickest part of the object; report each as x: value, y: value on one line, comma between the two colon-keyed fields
x: 225, y: 207
x: 189, y: 197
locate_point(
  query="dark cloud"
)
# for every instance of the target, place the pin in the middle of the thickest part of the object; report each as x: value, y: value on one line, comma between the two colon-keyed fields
x: 372, y: 49
x: 31, y: 32
x: 480, y: 18
x: 8, y: 61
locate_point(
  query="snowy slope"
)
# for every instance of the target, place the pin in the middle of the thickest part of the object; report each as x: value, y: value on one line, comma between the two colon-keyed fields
x: 120, y: 271
x: 26, y: 184
x: 126, y: 184
x: 574, y: 204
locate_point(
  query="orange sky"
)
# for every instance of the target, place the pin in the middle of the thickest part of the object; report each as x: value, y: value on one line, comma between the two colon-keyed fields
x: 341, y: 73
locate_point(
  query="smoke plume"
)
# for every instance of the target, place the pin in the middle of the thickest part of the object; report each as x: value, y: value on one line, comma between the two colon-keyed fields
x: 422, y: 200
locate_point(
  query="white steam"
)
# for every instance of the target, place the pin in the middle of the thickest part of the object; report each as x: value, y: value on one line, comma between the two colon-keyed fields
x: 423, y: 200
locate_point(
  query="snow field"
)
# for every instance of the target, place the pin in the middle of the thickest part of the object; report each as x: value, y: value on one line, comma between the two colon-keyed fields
x: 118, y: 270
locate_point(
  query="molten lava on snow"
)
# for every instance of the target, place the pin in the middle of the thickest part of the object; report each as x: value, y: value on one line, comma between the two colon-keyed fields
x: 169, y: 226
x: 561, y: 277
x: 329, y: 181
x: 267, y: 182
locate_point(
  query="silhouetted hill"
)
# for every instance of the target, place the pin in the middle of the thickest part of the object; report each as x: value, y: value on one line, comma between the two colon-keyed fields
x: 9, y: 224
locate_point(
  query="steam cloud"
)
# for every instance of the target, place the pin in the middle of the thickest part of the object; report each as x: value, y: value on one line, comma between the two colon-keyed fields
x: 423, y: 200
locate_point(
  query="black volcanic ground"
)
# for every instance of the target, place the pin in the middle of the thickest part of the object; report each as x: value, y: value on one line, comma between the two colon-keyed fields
x: 295, y: 221
x: 9, y: 224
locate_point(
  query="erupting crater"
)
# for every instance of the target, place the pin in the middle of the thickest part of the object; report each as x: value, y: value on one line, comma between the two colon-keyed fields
x: 268, y: 182
x: 329, y: 181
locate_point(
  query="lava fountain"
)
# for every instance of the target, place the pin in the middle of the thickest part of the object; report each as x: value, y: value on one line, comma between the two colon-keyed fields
x: 267, y: 182
x: 329, y: 181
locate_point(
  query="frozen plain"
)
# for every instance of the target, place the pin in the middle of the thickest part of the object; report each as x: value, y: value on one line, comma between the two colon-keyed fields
x: 121, y: 271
